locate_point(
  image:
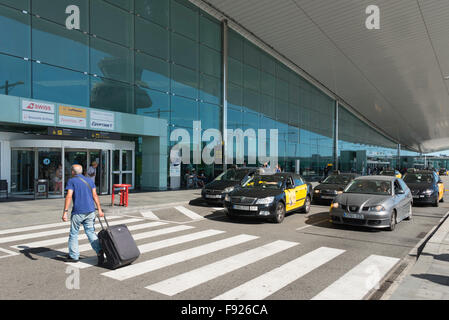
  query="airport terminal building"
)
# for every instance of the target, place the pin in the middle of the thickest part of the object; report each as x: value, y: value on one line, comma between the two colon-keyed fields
x: 114, y: 89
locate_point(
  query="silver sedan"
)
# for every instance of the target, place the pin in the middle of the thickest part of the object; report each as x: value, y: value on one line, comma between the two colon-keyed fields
x: 373, y: 201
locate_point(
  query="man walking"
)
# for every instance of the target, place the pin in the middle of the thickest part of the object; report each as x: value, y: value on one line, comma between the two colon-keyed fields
x: 92, y: 171
x: 84, y: 195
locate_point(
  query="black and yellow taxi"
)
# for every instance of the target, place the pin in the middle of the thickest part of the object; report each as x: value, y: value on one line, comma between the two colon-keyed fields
x: 426, y: 187
x: 269, y: 196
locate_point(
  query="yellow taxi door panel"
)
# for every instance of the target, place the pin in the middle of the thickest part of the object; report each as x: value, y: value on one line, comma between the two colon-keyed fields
x: 290, y: 199
x: 301, y: 193
x: 441, y: 191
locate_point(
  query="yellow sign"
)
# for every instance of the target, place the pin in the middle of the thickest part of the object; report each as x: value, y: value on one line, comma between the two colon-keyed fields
x: 72, y: 112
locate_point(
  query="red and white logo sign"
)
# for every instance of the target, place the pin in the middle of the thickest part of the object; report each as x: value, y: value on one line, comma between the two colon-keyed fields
x: 38, y: 107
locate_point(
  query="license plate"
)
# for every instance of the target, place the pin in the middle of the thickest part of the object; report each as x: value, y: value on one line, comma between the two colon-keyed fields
x: 326, y: 197
x: 237, y: 207
x: 353, y: 215
x: 415, y: 197
x: 213, y: 196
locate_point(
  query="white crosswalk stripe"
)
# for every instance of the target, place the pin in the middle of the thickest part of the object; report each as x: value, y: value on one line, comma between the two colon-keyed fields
x: 149, y: 214
x: 53, y: 232
x: 168, y: 260
x: 137, y: 236
x: 152, y: 246
x: 201, y: 275
x: 271, y: 282
x: 43, y: 226
x: 360, y: 280
x: 189, y: 213
x: 50, y: 242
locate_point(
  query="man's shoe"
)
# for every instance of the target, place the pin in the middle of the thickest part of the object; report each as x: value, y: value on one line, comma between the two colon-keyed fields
x: 70, y: 259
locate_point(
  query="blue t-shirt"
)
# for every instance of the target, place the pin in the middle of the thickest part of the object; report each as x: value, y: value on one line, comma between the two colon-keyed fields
x: 83, y: 201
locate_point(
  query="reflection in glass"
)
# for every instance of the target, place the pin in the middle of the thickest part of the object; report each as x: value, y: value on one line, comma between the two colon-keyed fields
x: 15, y: 76
x: 22, y: 171
x: 50, y: 168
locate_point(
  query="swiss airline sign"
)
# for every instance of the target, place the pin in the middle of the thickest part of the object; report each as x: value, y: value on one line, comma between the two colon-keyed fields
x: 39, y: 112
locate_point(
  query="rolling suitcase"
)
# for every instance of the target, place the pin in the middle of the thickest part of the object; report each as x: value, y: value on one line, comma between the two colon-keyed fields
x: 118, y: 245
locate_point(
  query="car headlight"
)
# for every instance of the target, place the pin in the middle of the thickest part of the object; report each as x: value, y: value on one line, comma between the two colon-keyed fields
x: 428, y: 192
x: 228, y: 189
x: 317, y: 191
x: 339, y: 192
x: 377, y: 209
x: 228, y: 198
x: 266, y: 200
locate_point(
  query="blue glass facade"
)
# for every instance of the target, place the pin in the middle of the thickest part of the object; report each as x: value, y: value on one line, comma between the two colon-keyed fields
x: 163, y: 59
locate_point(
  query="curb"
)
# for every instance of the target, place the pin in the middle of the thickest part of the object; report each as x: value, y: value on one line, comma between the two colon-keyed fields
x: 397, y: 274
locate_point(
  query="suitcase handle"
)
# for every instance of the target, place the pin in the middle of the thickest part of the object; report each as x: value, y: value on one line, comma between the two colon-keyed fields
x: 101, y: 224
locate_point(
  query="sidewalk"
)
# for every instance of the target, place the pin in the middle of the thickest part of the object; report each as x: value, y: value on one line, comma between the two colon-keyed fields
x: 428, y: 278
x: 34, y: 212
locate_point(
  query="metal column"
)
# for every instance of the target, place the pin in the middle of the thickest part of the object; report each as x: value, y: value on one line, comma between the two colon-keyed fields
x: 225, y: 92
x: 336, y: 136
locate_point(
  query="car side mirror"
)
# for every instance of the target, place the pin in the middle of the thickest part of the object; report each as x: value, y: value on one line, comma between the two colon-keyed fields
x: 400, y: 191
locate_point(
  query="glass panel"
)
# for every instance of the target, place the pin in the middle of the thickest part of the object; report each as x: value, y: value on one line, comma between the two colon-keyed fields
x: 15, y: 76
x: 251, y: 100
x: 60, y: 85
x: 55, y: 11
x: 15, y: 25
x: 110, y: 60
x: 152, y: 38
x: 72, y: 157
x: 127, y: 178
x: 210, y: 62
x: 235, y: 71
x: 116, y: 160
x: 104, y: 172
x: 111, y: 23
x: 184, y: 51
x: 125, y: 4
x: 127, y: 160
x: 50, y: 168
x: 210, y: 33
x: 267, y: 64
x: 251, y: 78
x: 210, y: 89
x: 152, y: 103
x: 19, y: 4
x: 184, y: 82
x: 154, y: 10
x: 251, y: 55
x: 152, y: 73
x: 267, y: 84
x: 267, y: 106
x: 111, y: 95
x: 116, y: 178
x: 184, y: 112
x: 184, y: 20
x: 281, y: 90
x: 235, y: 95
x: 282, y: 72
x: 93, y: 167
x: 235, y: 45
x: 210, y: 116
x: 235, y: 118
x: 58, y: 46
x: 22, y: 171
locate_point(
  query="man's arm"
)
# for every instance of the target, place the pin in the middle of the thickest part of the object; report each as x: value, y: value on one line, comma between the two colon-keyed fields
x: 68, y: 200
x: 97, y: 202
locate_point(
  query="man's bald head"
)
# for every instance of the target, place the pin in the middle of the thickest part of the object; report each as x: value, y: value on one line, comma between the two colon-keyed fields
x: 77, y: 169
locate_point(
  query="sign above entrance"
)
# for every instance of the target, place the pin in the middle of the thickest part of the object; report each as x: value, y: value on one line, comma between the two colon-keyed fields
x: 66, y: 132
x: 102, y: 120
x: 38, y: 112
x: 71, y: 116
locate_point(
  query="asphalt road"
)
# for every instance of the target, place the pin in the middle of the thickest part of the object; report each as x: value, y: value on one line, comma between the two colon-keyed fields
x: 199, y: 254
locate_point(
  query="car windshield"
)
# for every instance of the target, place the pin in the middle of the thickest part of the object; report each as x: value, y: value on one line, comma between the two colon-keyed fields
x: 265, y: 182
x: 337, y: 179
x: 388, y: 173
x: 232, y: 175
x: 378, y: 187
x: 418, y: 178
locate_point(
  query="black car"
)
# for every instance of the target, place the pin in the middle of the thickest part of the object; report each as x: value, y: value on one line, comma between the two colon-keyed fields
x: 426, y: 187
x: 215, y: 191
x: 270, y: 197
x: 442, y: 172
x: 332, y: 186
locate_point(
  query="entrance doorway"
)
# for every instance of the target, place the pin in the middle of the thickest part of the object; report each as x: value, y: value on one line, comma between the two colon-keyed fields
x: 51, y: 160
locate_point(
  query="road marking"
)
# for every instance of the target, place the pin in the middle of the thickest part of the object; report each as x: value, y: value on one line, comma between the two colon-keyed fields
x: 218, y: 209
x: 53, y: 232
x: 191, y: 279
x: 192, y: 215
x: 43, y: 226
x: 152, y: 246
x: 177, y: 257
x: 149, y: 214
x: 270, y: 282
x: 360, y: 280
x: 138, y: 236
x: 8, y: 252
x: 50, y: 242
x: 313, y: 224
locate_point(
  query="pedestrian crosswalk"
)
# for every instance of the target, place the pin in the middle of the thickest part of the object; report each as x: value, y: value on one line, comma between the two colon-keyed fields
x: 197, y: 256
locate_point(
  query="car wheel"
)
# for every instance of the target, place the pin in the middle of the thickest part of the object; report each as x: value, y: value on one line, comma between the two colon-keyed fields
x: 436, y: 203
x: 306, y: 207
x: 280, y: 213
x: 409, y: 217
x: 392, y: 221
